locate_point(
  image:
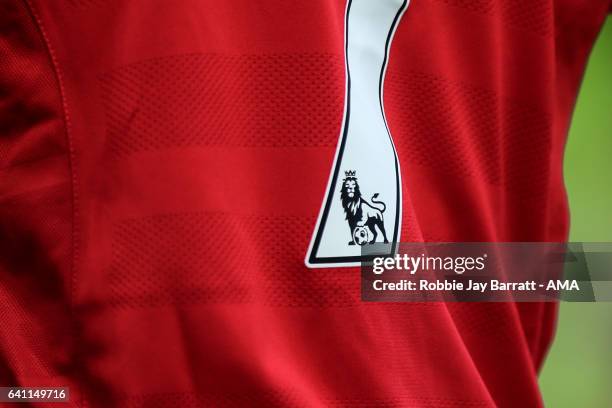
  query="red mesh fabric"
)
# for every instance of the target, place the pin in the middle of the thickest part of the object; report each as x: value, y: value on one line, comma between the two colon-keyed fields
x: 531, y: 16
x: 166, y: 266
x: 221, y: 100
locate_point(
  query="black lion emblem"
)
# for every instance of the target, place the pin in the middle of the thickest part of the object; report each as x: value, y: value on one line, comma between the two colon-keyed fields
x: 363, y: 218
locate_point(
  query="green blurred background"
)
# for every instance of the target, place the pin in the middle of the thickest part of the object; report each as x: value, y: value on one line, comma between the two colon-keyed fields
x: 578, y: 370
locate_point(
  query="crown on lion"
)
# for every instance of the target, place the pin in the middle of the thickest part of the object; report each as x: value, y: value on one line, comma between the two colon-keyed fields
x: 350, y: 173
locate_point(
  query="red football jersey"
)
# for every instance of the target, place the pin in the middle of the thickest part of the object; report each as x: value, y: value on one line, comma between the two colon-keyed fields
x: 163, y: 166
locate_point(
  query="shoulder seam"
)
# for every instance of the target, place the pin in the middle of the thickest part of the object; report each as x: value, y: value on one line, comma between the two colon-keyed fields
x: 70, y: 143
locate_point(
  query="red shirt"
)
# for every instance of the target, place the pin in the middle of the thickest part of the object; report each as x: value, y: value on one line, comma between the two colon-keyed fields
x: 162, y: 166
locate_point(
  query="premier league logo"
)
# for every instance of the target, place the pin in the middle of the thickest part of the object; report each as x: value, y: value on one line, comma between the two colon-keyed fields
x: 365, y: 219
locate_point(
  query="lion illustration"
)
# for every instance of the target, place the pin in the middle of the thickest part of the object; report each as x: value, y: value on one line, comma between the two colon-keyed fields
x: 363, y: 218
